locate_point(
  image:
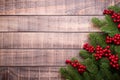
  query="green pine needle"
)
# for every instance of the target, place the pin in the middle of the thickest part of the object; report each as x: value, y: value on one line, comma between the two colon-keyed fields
x: 114, y: 8
x: 97, y: 22
x: 97, y: 39
x: 110, y: 28
x: 84, y: 54
x: 101, y: 69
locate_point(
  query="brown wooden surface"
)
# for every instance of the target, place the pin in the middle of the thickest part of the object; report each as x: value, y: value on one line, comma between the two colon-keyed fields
x: 37, y: 36
x: 42, y: 40
x: 47, y: 23
x: 36, y: 57
x: 30, y: 73
x: 53, y: 7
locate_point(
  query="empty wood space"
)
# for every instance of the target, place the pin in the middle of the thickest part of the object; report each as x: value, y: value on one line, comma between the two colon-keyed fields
x: 37, y: 36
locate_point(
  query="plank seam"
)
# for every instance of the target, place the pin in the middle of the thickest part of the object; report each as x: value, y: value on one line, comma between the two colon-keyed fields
x: 44, y: 48
x: 50, y: 32
x: 37, y: 66
x: 51, y: 15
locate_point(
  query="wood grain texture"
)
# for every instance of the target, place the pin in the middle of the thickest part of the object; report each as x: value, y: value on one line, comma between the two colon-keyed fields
x: 4, y: 73
x: 53, y: 7
x: 47, y: 23
x: 30, y: 73
x: 39, y: 35
x: 42, y: 40
x: 51, y: 57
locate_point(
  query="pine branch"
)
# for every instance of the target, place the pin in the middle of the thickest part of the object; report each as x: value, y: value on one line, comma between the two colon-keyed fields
x: 97, y: 69
x: 99, y: 76
x: 114, y: 8
x: 104, y: 60
x: 97, y: 39
x: 65, y: 74
x: 107, y: 74
x: 74, y: 73
x: 117, y: 49
x: 97, y: 22
x: 110, y: 28
x: 86, y: 76
x: 116, y: 76
x: 112, y: 48
x: 84, y: 54
x: 91, y: 67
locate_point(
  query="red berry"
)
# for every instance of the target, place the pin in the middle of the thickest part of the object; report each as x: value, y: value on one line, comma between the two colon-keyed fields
x: 119, y: 26
x: 107, y: 47
x: 67, y: 61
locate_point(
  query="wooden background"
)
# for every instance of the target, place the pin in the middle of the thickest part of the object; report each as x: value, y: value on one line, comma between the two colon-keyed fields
x: 37, y: 36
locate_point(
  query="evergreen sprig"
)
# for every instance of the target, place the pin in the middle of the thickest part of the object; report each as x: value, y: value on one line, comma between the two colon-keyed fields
x: 101, y: 69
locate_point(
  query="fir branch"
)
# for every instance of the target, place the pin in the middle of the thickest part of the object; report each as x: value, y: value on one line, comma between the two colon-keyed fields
x: 110, y: 28
x: 116, y: 76
x: 117, y: 49
x: 97, y: 39
x: 114, y: 8
x: 97, y: 22
x: 84, y: 54
x: 99, y: 76
x: 65, y: 74
x: 73, y: 73
x: 100, y: 69
x: 91, y: 67
x: 104, y: 60
x: 112, y: 48
x: 86, y: 76
x: 107, y: 74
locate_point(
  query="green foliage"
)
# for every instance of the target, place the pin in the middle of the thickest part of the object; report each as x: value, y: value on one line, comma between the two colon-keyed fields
x: 97, y: 39
x: 97, y: 22
x: 112, y: 48
x: 74, y: 58
x: 119, y: 60
x: 104, y: 60
x: 116, y: 76
x: 110, y: 28
x: 114, y: 8
x: 105, y: 65
x: 106, y: 73
x: 65, y: 74
x: 70, y: 73
x: 101, y: 69
x: 117, y: 49
x: 86, y: 76
x: 74, y: 73
x: 91, y: 67
x: 99, y: 76
x: 84, y: 54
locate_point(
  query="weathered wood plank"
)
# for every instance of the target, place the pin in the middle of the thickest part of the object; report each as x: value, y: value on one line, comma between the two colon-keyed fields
x: 42, y: 40
x: 30, y: 73
x: 4, y: 73
x: 48, y: 23
x: 53, y: 7
x: 20, y: 57
x: 117, y: 2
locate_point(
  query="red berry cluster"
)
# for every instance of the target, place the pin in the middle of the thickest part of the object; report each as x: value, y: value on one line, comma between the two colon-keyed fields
x: 114, y: 16
x: 115, y: 39
x: 114, y: 61
x: 81, y: 68
x: 89, y: 48
x: 109, y: 39
x: 108, y: 12
x: 100, y: 52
